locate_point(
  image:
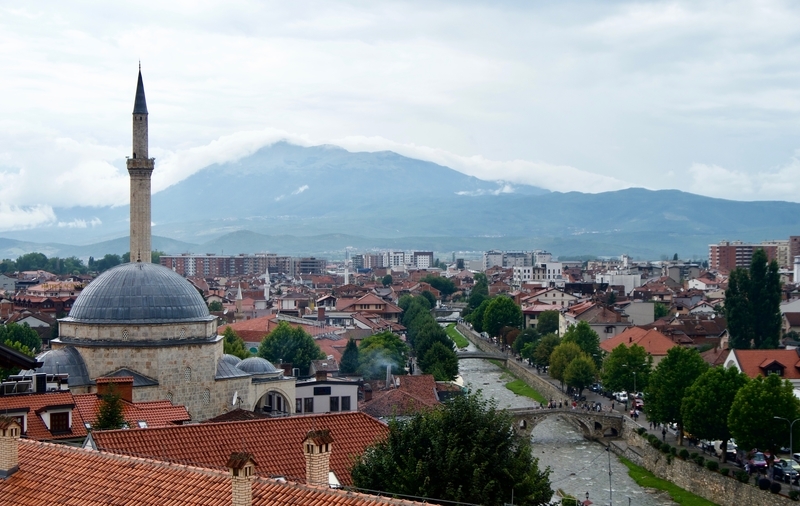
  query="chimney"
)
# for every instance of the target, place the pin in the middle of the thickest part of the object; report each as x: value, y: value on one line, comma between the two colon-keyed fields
x: 321, y: 314
x: 241, y: 466
x: 321, y: 375
x: 317, y: 451
x: 367, y: 392
x: 123, y: 386
x: 287, y: 369
x: 9, y: 446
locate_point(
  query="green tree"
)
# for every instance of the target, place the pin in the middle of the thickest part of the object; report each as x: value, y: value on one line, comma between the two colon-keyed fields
x: 109, y: 415
x: 387, y: 280
x: 547, y: 323
x: 527, y: 336
x: 444, y: 285
x: 215, y: 305
x: 349, y: 363
x: 440, y: 361
x: 612, y: 298
x: 479, y: 292
x: 465, y: 450
x: 233, y: 344
x: 660, y: 310
x: 587, y: 339
x: 404, y: 302
x: 501, y: 312
x: 668, y: 384
x: 544, y: 350
x: 627, y: 369
x: 476, y: 317
x: 6, y: 372
x: 429, y: 297
x: 379, y: 350
x: 8, y: 265
x: 708, y: 402
x: 751, y: 419
x: 752, y: 304
x: 562, y: 356
x: 580, y: 373
x: 31, y: 262
x: 287, y: 344
x: 22, y: 334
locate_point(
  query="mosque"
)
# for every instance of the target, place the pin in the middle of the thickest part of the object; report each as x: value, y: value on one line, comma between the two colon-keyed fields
x: 146, y: 321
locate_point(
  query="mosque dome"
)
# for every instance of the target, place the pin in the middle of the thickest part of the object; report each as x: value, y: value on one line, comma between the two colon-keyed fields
x: 139, y: 293
x: 230, y: 359
x: 256, y: 365
x: 65, y: 360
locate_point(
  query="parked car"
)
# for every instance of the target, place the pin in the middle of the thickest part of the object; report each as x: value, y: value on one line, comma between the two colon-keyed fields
x: 621, y: 396
x: 786, y: 471
x: 757, y: 462
x: 731, y: 448
x: 638, y: 404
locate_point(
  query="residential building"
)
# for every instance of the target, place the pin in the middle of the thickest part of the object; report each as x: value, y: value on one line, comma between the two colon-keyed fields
x: 606, y: 322
x: 728, y: 255
x: 654, y: 342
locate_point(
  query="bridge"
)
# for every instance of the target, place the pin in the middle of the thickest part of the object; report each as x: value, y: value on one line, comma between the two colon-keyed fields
x: 480, y: 354
x: 593, y: 424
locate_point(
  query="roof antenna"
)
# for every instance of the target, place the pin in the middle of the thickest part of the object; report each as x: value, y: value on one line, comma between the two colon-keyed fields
x: 140, y: 65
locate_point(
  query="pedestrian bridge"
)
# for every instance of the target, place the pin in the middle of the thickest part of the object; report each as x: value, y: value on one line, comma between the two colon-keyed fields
x: 480, y: 354
x: 593, y: 424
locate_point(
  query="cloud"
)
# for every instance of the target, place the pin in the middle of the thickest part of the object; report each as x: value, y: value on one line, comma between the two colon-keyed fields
x: 780, y: 183
x: 79, y: 223
x: 300, y: 190
x: 17, y: 218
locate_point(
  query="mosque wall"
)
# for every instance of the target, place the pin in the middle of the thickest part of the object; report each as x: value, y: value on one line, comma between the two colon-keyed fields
x: 148, y: 332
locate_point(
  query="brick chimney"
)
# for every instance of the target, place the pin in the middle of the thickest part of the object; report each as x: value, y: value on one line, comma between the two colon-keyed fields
x: 123, y: 386
x: 242, y: 469
x: 9, y: 446
x: 321, y: 375
x: 317, y: 450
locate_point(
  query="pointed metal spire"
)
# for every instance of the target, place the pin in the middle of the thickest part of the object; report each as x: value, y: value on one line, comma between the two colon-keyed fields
x: 140, y: 105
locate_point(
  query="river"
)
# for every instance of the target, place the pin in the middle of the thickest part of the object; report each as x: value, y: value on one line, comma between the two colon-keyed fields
x: 577, y: 465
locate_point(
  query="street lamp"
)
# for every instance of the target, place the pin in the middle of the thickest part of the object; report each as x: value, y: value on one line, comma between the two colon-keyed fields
x: 791, y: 449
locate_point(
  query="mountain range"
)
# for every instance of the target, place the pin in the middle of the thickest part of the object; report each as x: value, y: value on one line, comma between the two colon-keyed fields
x: 320, y: 200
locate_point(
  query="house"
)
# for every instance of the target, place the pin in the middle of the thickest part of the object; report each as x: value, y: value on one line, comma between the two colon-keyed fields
x: 791, y: 322
x: 372, y: 304
x: 321, y: 394
x: 606, y: 322
x: 785, y: 363
x: 531, y: 313
x: 272, y: 441
x: 553, y: 296
x: 405, y: 396
x: 36, y: 473
x: 654, y: 342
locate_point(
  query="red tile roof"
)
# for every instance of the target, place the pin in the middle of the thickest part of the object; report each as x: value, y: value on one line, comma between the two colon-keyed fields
x: 653, y: 341
x: 155, y: 413
x: 751, y: 362
x: 276, y: 443
x: 413, y: 394
x: 60, y: 474
x: 34, y: 405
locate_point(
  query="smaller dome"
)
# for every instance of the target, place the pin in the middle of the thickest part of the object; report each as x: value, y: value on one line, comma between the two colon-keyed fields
x: 65, y: 360
x: 256, y: 365
x: 230, y: 359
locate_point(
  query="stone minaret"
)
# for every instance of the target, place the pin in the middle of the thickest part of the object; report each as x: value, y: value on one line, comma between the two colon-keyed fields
x: 140, y: 168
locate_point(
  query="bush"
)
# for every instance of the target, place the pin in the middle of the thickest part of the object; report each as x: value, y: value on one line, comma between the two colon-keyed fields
x: 794, y: 495
x: 764, y: 483
x: 712, y: 465
x: 693, y: 455
x: 684, y: 453
x: 700, y: 460
x: 641, y: 431
x: 742, y: 476
x: 724, y: 471
x: 652, y: 438
x: 775, y: 487
x: 673, y: 451
x: 665, y: 448
x: 656, y: 444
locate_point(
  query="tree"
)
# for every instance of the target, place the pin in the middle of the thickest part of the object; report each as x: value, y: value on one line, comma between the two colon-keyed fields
x: 501, y: 312
x: 580, y: 373
x: 387, y: 280
x: 233, y: 344
x: 479, y: 292
x: 441, y: 362
x: 751, y: 419
x: 215, y: 305
x: 547, y: 322
x: 5, y: 373
x: 476, y: 317
x: 627, y: 368
x: 562, y: 356
x: 109, y: 415
x: 444, y: 285
x: 587, y: 339
x: 708, y: 402
x: 31, y: 262
x: 660, y: 310
x: 429, y: 297
x: 287, y: 344
x: 668, y: 384
x: 612, y: 298
x: 675, y: 257
x: 752, y: 304
x: 22, y: 334
x: 349, y: 363
x: 464, y: 450
x: 544, y: 350
x: 379, y: 350
x: 527, y: 336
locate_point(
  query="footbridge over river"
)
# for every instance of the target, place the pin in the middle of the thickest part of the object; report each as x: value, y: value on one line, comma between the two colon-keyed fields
x: 593, y: 424
x: 480, y: 354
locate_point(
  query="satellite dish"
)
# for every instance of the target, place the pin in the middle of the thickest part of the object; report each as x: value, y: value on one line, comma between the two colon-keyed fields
x: 235, y: 397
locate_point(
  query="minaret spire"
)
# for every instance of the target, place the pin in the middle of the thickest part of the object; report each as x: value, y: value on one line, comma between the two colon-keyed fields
x: 140, y: 168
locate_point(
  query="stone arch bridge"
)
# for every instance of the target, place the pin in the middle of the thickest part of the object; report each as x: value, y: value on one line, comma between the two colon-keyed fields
x: 593, y: 424
x: 480, y: 354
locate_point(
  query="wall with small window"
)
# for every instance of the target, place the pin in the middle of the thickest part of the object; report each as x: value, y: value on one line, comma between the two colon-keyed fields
x: 326, y: 396
x: 57, y: 420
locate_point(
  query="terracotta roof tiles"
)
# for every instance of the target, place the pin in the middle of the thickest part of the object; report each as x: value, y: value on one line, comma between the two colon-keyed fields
x: 35, y: 404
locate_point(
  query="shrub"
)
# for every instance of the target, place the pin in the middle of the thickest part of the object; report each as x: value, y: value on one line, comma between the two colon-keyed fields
x: 693, y: 455
x: 724, y: 471
x: 656, y: 444
x: 775, y: 487
x: 700, y: 460
x: 684, y: 453
x: 673, y: 451
x: 652, y: 438
x: 712, y: 465
x: 763, y: 483
x: 641, y: 431
x: 794, y: 495
x: 665, y: 448
x: 742, y: 476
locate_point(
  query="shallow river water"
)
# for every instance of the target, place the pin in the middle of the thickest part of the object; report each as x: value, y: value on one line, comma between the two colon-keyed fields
x: 577, y: 465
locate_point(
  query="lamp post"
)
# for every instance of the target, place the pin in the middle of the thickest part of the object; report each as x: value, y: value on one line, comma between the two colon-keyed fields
x: 791, y: 449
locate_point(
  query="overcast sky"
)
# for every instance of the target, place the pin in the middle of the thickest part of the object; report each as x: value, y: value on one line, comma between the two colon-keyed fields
x: 585, y: 96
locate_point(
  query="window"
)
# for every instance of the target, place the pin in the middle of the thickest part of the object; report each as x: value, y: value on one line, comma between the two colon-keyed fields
x: 322, y: 390
x: 345, y: 403
x: 298, y: 408
x: 308, y: 405
x: 187, y: 374
x: 21, y: 421
x: 59, y: 422
x: 207, y: 397
x: 334, y: 404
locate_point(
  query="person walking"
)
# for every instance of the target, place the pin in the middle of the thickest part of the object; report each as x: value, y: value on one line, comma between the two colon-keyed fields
x: 664, y: 434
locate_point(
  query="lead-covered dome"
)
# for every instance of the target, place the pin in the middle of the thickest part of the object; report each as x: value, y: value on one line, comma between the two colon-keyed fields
x: 256, y: 365
x: 139, y: 293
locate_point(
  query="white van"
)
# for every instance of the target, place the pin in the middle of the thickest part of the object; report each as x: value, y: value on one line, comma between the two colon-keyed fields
x: 621, y: 396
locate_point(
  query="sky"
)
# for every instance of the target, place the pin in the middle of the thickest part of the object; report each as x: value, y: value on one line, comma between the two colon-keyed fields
x: 700, y: 96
